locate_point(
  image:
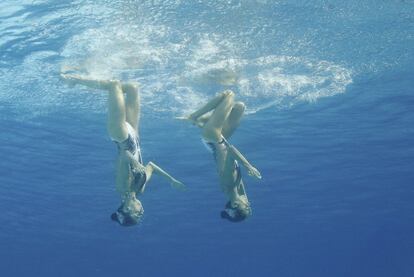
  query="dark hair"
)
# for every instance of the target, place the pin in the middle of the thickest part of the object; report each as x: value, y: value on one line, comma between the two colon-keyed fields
x: 237, y: 213
x: 124, y: 219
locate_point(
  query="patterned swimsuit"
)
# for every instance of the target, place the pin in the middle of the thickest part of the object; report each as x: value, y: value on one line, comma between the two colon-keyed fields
x: 131, y: 145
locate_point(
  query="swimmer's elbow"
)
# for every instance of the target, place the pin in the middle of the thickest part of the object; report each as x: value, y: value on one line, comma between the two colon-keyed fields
x: 152, y: 168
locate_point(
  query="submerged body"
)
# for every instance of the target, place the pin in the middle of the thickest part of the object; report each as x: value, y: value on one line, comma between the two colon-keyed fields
x: 230, y: 179
x: 129, y: 156
x: 217, y: 127
x: 132, y: 175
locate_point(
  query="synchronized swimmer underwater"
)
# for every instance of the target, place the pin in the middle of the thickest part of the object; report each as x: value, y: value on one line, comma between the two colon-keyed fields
x: 218, y: 119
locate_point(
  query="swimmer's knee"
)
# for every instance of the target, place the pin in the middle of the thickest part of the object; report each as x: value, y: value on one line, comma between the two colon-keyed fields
x: 228, y: 98
x: 130, y: 87
x: 113, y: 85
x: 239, y: 107
x: 229, y: 94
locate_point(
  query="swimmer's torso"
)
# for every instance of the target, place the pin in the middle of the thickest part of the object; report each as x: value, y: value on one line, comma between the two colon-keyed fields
x: 227, y: 167
x: 126, y: 174
x: 130, y: 144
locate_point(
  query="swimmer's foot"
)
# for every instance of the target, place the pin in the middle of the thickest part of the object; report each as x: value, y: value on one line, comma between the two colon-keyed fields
x: 70, y: 76
x: 69, y: 79
x: 69, y: 69
x: 185, y: 118
x: 191, y: 120
x: 74, y: 79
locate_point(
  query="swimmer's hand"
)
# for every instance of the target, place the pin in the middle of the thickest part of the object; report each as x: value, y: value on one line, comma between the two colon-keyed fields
x: 178, y: 185
x: 252, y: 171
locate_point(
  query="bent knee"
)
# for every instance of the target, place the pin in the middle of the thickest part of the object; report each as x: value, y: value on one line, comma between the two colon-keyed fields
x: 130, y: 87
x: 239, y: 107
x: 114, y: 85
x: 228, y: 94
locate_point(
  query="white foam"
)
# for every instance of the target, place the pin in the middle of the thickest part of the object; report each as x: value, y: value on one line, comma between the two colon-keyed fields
x: 279, y: 81
x: 177, y: 72
x: 109, y: 51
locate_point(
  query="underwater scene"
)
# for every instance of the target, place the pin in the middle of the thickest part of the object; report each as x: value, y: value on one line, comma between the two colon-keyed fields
x: 97, y: 97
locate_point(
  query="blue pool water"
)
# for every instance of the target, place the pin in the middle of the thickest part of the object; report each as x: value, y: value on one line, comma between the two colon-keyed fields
x: 329, y: 89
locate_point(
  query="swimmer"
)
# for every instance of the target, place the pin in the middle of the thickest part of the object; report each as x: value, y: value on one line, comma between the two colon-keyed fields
x: 132, y: 175
x: 218, y: 119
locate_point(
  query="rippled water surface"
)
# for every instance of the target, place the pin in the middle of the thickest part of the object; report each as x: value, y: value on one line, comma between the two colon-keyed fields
x: 329, y: 92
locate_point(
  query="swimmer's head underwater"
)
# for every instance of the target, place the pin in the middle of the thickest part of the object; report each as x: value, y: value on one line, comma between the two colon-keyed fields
x: 236, y: 212
x: 129, y: 213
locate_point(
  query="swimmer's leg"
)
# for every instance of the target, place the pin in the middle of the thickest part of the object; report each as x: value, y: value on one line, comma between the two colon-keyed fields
x: 211, y: 105
x: 233, y: 120
x: 132, y: 104
x: 202, y: 120
x: 212, y: 129
x: 66, y: 69
x: 116, y: 103
x: 88, y: 82
x: 116, y: 124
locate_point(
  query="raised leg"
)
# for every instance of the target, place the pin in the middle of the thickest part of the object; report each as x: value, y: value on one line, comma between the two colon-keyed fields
x: 116, y: 103
x: 211, y: 105
x: 233, y: 120
x: 212, y: 129
x: 202, y: 120
x: 117, y: 113
x: 88, y: 82
x: 132, y: 104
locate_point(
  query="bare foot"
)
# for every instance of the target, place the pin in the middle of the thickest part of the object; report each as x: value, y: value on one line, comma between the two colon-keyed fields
x: 70, y: 79
x: 190, y: 119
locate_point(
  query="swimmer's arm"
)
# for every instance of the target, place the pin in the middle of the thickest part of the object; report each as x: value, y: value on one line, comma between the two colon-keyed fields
x: 123, y: 182
x: 251, y: 170
x: 153, y: 168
